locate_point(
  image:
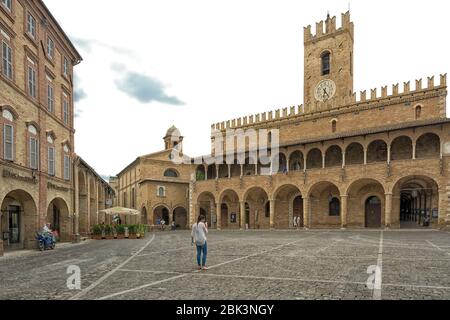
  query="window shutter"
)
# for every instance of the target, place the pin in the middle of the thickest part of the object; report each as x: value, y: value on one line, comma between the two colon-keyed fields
x: 33, y: 154
x: 8, y: 142
x: 51, y: 161
x: 66, y: 167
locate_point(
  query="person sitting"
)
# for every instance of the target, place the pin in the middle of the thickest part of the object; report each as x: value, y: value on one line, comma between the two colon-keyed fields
x: 173, y: 226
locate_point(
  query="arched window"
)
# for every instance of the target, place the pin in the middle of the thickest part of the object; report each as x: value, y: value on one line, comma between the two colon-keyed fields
x: 418, y: 112
x: 170, y: 173
x: 269, y: 138
x: 334, y: 126
x: 326, y: 68
x: 51, y: 155
x: 161, y: 192
x: 33, y: 147
x: 66, y: 162
x: 8, y: 135
x: 335, y: 207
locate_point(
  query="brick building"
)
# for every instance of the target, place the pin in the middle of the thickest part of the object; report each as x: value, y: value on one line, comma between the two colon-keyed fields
x: 345, y: 160
x: 37, y: 158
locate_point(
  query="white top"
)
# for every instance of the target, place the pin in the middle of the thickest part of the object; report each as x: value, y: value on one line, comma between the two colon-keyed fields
x: 199, y: 232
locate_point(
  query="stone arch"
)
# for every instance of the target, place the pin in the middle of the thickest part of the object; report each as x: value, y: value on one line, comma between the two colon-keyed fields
x: 160, y: 211
x: 415, y: 198
x: 314, y: 159
x: 402, y: 148
x: 230, y: 204
x: 288, y: 204
x: 428, y: 145
x: 296, y: 161
x: 257, y: 197
x: 180, y: 217
x: 206, y: 203
x: 354, y: 154
x: 59, y: 218
x: 282, y: 163
x: 377, y: 151
x: 18, y: 217
x: 212, y: 172
x: 333, y: 157
x: 320, y: 196
x: 358, y: 192
x: 200, y: 173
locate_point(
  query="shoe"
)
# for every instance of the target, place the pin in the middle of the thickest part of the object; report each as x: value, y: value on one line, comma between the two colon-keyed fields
x: 205, y: 268
x: 199, y: 268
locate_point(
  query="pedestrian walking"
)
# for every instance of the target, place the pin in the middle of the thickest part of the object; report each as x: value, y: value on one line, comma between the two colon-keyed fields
x: 198, y: 237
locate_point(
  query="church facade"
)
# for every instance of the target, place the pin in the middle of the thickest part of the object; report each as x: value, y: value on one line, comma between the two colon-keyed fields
x: 344, y: 160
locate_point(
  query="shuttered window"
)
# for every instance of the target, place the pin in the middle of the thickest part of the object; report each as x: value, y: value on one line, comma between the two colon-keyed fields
x: 32, y: 82
x: 7, y: 64
x: 8, y: 142
x: 66, y: 167
x: 34, y: 153
x: 51, y: 161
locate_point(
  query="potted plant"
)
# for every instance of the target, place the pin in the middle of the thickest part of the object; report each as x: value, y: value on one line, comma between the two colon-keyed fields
x: 97, y: 232
x: 109, y: 232
x: 132, y: 229
x: 120, y: 229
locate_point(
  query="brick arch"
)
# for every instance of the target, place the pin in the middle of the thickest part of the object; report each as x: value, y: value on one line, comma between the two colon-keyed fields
x: 225, y: 192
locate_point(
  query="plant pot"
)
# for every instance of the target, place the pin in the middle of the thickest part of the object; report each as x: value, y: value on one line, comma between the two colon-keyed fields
x: 97, y: 237
x: 109, y: 237
x: 132, y: 236
x: 120, y: 236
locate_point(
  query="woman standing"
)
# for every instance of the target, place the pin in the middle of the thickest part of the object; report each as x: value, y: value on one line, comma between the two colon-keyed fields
x: 198, y: 236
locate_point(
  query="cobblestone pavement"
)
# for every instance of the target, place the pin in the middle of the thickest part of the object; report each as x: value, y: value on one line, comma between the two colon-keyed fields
x: 276, y: 265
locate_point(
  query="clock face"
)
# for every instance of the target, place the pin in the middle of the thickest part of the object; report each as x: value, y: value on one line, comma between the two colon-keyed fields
x: 325, y: 90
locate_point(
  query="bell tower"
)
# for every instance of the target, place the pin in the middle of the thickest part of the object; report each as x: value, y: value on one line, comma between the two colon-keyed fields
x: 328, y: 69
x: 173, y: 140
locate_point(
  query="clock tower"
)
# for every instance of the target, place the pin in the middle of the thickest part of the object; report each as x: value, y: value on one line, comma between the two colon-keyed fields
x: 328, y: 63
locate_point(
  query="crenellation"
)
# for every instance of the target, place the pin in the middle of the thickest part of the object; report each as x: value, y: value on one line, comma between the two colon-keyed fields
x: 292, y: 111
x: 384, y: 92
x: 431, y: 82
x: 443, y: 80
x: 307, y: 33
x: 395, y: 89
x: 363, y: 96
x: 418, y: 84
x: 373, y: 94
x: 407, y: 87
x: 330, y: 25
x: 319, y: 28
x: 336, y: 102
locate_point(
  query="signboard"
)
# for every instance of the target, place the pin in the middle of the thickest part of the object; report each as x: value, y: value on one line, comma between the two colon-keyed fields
x: 435, y: 213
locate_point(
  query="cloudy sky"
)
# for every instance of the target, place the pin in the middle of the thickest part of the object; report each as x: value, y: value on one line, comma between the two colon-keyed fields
x: 150, y: 64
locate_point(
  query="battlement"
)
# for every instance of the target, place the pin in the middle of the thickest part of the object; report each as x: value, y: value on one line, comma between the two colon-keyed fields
x: 336, y: 103
x: 328, y: 27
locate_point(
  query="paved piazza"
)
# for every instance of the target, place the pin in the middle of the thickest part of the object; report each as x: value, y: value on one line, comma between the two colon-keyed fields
x: 243, y: 265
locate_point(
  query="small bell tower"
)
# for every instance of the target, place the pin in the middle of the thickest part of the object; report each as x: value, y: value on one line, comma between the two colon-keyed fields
x: 173, y: 139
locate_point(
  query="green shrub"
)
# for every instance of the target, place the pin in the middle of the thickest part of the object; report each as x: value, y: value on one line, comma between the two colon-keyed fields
x: 120, y: 229
x: 132, y: 229
x: 108, y: 230
x: 97, y: 230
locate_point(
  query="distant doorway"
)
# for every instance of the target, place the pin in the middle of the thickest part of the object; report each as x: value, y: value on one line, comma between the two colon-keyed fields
x: 373, y: 213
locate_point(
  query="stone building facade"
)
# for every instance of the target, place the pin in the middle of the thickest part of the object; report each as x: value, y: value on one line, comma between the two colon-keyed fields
x: 344, y: 160
x: 37, y: 158
x: 156, y: 186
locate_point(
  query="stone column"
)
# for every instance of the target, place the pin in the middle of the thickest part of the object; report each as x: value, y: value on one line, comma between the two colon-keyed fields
x: 306, y: 208
x: 344, y: 211
x: 242, y: 170
x: 388, y: 213
x: 443, y: 203
x: 343, y: 158
x: 365, y: 155
x: 229, y: 171
x: 414, y: 150
x: 389, y: 153
x: 219, y: 216
x: 217, y: 171
x: 272, y: 214
x: 323, y: 160
x: 242, y: 214
x: 76, y: 209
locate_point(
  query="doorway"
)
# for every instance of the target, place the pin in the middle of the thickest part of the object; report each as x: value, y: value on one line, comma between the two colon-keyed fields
x: 373, y: 213
x: 14, y: 225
